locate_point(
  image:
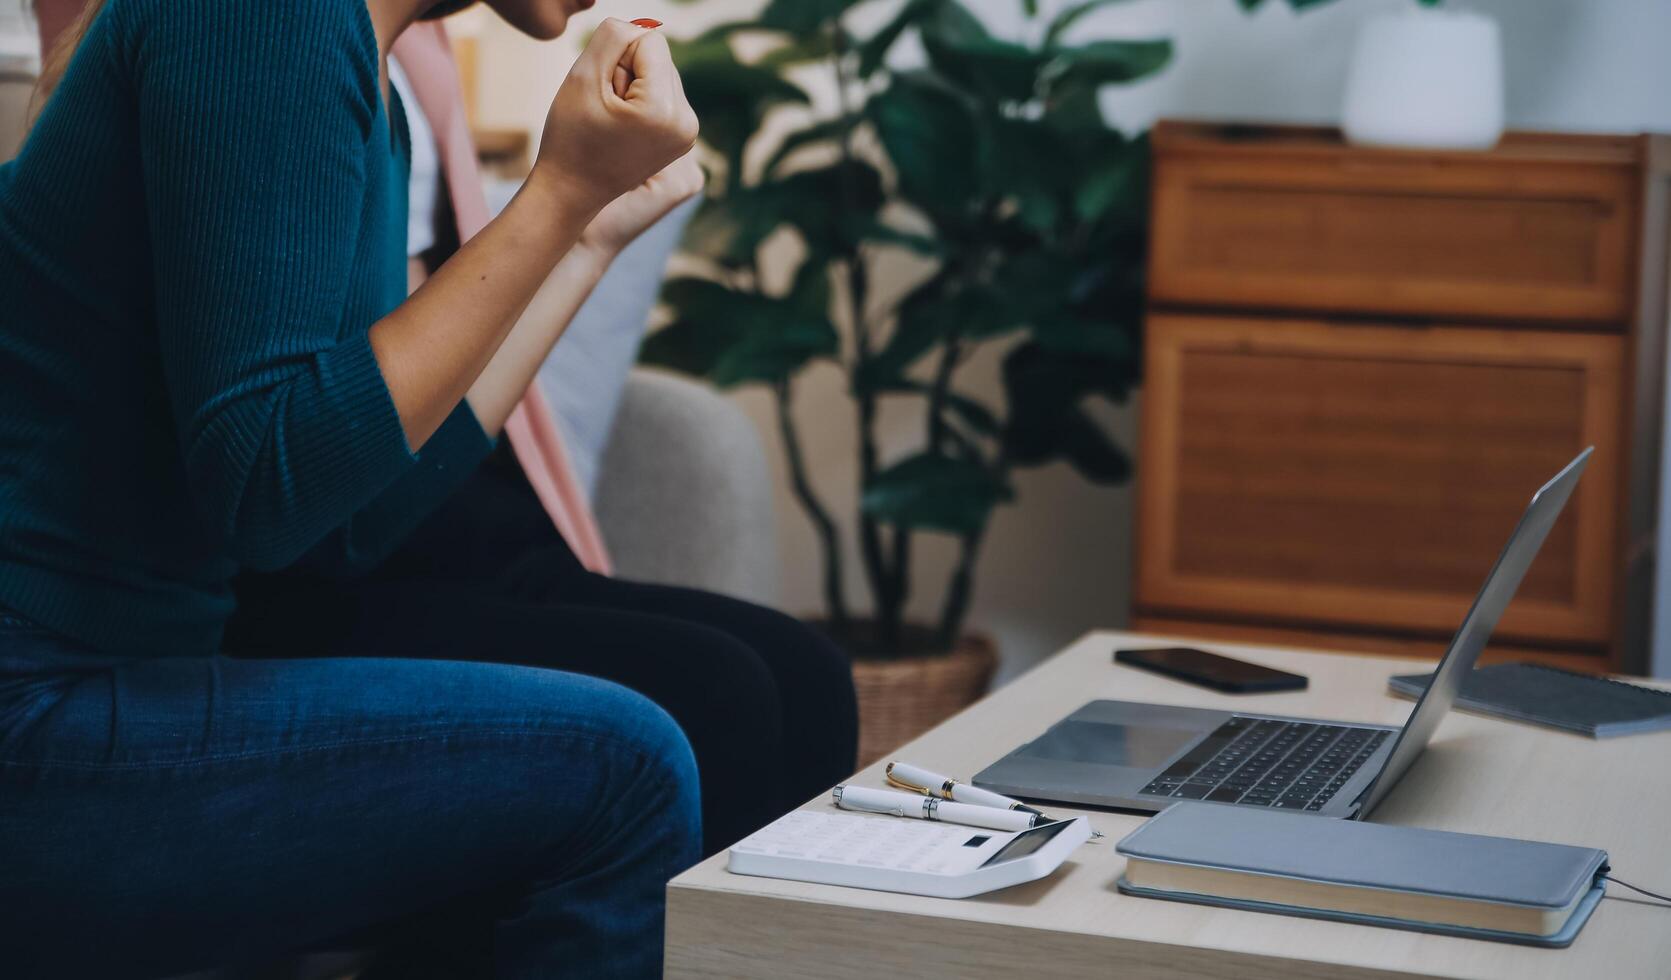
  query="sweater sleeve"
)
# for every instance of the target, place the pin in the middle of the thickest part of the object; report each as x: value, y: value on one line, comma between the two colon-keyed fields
x: 254, y: 121
x: 368, y: 537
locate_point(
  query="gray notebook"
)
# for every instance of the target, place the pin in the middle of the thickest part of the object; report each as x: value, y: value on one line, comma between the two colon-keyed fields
x: 1583, y: 703
x: 1376, y: 874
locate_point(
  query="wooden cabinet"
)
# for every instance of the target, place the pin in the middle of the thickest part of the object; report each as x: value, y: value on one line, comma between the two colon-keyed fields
x: 1361, y: 363
x: 1516, y: 233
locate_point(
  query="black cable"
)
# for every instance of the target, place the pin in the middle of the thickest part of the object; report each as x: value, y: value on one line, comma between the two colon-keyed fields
x: 1664, y: 898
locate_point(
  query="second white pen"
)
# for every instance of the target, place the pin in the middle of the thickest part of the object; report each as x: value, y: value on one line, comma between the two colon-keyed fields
x: 929, y: 808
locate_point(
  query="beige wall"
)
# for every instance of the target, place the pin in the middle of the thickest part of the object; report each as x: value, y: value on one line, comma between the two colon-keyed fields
x: 1058, y: 563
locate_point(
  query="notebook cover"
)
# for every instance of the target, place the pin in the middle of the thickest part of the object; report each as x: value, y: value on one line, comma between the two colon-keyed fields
x: 1559, y: 940
x: 1367, y: 855
x: 1595, y: 706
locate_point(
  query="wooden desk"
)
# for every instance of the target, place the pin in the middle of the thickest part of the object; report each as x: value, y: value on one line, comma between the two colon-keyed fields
x: 1479, y: 775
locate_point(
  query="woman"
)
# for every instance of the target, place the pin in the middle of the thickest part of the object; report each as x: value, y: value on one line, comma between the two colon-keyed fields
x: 766, y: 703
x: 207, y: 362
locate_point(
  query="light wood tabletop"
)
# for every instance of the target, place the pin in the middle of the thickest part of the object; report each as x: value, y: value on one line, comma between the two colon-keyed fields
x: 1480, y: 775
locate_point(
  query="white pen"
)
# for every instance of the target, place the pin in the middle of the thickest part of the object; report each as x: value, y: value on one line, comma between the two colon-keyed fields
x: 929, y: 808
x: 910, y: 777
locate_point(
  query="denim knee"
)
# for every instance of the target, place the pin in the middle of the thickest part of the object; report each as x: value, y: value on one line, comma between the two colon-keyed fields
x: 661, y: 744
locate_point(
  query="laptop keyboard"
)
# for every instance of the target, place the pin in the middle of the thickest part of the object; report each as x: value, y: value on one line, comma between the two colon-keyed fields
x: 1286, y: 765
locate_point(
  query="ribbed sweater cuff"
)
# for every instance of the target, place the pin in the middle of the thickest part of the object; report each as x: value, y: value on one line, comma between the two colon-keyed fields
x: 445, y: 461
x: 460, y: 443
x: 375, y: 447
x: 351, y: 373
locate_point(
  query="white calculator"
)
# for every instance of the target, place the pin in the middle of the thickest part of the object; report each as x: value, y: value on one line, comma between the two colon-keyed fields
x: 897, y: 854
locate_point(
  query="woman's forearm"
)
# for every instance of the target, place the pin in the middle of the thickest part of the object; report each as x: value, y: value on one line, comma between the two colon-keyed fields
x: 495, y: 393
x: 434, y: 348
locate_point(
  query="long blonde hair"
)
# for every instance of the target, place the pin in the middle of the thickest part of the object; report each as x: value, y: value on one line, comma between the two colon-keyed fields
x: 55, y: 61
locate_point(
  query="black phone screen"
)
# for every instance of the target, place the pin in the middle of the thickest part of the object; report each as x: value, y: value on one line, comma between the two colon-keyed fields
x: 1212, y: 670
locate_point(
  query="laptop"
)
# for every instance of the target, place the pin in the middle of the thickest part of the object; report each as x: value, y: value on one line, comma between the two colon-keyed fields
x: 1147, y: 756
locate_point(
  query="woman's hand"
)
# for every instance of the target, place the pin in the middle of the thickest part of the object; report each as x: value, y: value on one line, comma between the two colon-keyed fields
x: 619, y: 119
x: 631, y: 214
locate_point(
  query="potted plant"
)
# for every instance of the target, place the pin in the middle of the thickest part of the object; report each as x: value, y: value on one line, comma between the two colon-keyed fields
x: 994, y: 163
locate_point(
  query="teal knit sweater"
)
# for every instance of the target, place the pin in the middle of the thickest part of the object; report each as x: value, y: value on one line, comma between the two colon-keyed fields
x: 205, y: 222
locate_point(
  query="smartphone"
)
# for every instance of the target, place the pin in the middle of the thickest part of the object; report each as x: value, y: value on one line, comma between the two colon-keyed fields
x: 1212, y: 670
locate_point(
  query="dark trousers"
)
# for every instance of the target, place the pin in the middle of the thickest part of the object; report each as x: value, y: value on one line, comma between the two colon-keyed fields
x: 766, y: 701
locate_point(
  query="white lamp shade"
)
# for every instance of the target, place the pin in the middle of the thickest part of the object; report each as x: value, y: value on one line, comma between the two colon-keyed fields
x: 1426, y: 78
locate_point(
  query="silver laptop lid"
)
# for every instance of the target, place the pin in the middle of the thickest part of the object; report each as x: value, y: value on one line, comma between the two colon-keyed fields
x: 1476, y: 629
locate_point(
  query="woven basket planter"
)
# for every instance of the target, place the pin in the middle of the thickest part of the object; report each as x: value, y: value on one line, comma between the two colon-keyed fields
x: 901, y: 699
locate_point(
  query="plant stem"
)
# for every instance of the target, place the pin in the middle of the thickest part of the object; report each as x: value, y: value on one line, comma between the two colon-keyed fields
x: 835, y: 599
x: 959, y: 591
x: 884, y: 582
x: 961, y: 588
x: 901, y: 582
x: 937, y: 391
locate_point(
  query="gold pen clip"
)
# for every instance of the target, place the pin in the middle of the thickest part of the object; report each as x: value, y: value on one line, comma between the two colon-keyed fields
x: 945, y: 791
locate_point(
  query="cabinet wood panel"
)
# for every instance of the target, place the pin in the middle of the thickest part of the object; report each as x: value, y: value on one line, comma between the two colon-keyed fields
x: 1367, y: 475
x: 1542, y: 230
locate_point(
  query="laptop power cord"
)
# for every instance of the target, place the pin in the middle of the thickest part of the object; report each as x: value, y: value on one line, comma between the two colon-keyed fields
x: 1642, y: 891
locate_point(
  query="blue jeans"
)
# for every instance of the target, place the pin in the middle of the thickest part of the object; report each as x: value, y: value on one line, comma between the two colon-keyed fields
x: 163, y: 815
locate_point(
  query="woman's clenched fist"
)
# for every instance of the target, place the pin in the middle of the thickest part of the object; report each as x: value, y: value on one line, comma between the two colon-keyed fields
x: 619, y: 118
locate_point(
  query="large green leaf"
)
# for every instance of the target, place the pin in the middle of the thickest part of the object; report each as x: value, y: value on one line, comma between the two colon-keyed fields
x: 1026, y: 287
x: 1032, y: 166
x: 1110, y: 174
x: 1045, y: 388
x: 802, y: 16
x: 874, y: 49
x: 1040, y: 380
x: 1090, y: 451
x: 733, y: 337
x: 943, y: 308
x: 701, y: 333
x: 1112, y: 340
x: 950, y: 21
x: 960, y: 49
x: 1107, y: 62
x: 932, y: 138
x: 1071, y: 15
x: 810, y: 291
x: 879, y: 232
x: 934, y: 492
x: 1035, y: 282
x: 1002, y: 71
x: 771, y: 355
x: 831, y: 207
x: 799, y: 50
x: 731, y: 98
x: 1302, y: 4
x: 921, y: 322
x: 1074, y: 110
x: 823, y: 131
x: 729, y: 229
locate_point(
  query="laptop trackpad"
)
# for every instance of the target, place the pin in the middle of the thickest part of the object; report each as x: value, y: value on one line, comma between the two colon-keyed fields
x: 1110, y: 744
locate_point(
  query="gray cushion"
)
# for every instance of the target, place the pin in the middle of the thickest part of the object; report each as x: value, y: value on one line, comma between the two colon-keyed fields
x: 685, y: 494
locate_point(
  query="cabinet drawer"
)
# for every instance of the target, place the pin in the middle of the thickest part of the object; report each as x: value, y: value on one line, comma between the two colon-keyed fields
x: 1385, y: 232
x: 1367, y: 476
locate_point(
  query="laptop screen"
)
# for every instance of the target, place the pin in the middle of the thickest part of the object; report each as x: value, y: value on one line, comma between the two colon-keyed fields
x: 1476, y: 629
